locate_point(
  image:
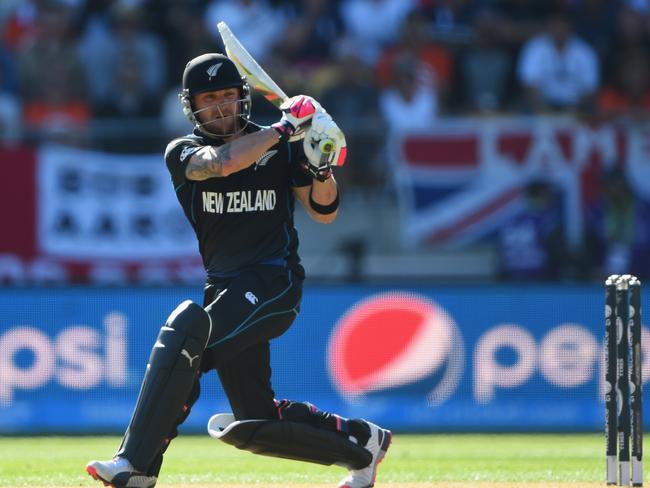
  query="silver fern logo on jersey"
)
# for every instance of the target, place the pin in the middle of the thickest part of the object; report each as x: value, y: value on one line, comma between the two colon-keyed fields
x: 213, y: 70
x: 264, y: 158
x: 188, y: 151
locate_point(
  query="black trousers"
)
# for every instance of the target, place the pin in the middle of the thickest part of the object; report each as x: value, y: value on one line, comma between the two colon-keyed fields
x: 246, y: 312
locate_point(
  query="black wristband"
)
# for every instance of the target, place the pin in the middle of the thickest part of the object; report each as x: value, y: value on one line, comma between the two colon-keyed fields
x: 324, y: 209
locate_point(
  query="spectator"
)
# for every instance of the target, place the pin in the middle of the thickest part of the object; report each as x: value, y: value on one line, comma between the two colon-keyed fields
x: 8, y: 72
x: 254, y: 22
x: 415, y: 38
x: 450, y: 18
x: 133, y: 40
x: 316, y: 25
x: 485, y: 66
x: 52, y: 83
x: 373, y: 24
x: 411, y: 103
x: 132, y: 98
x: 631, y: 29
x: 59, y: 113
x: 126, y: 39
x: 10, y: 125
x: 593, y: 20
x: 628, y: 95
x: 631, y: 35
x: 353, y: 95
x: 10, y: 110
x: 285, y: 74
x: 557, y: 70
x: 524, y: 18
x: 531, y: 246
x: 50, y: 46
x: 20, y: 20
x: 95, y: 36
x: 185, y: 37
x: 352, y: 101
x: 617, y: 230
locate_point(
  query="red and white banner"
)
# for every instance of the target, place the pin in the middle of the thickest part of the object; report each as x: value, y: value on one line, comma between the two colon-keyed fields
x: 461, y: 181
x: 78, y: 215
x: 72, y: 215
x: 104, y: 206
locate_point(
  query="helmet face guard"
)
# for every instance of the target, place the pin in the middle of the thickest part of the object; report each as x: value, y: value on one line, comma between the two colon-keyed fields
x: 214, y: 72
x: 242, y: 116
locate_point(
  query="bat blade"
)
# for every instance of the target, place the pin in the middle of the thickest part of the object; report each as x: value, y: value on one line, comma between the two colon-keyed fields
x: 257, y: 78
x: 260, y: 81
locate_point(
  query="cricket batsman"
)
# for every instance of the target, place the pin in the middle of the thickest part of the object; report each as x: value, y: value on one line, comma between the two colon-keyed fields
x: 238, y: 183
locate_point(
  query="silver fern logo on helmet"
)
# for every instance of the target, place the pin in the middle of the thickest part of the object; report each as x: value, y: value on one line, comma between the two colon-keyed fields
x: 222, y: 74
x: 213, y: 70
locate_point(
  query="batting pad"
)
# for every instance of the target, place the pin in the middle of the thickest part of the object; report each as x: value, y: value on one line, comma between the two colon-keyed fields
x: 289, y: 440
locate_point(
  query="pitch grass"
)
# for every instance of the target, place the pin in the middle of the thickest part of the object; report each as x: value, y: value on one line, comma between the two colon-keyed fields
x: 414, y: 461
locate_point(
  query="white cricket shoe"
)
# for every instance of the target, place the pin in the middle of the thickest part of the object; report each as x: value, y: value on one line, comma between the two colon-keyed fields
x: 119, y: 473
x: 377, y: 445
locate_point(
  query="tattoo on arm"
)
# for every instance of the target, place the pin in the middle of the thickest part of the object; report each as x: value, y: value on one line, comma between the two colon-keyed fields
x: 208, y: 162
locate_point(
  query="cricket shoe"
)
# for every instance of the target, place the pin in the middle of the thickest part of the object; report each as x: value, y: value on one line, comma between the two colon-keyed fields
x: 119, y: 473
x: 378, y: 444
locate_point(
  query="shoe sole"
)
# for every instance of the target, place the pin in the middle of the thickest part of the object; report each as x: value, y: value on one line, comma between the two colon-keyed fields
x: 93, y: 472
x: 385, y: 444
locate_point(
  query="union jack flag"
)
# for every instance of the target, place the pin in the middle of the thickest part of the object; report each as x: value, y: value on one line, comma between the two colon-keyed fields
x: 459, y: 183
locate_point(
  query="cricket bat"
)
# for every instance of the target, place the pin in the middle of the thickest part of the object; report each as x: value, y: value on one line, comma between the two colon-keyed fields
x: 257, y: 78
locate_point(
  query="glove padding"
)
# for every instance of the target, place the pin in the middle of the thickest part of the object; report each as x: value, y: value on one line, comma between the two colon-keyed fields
x: 296, y: 113
x: 321, y: 159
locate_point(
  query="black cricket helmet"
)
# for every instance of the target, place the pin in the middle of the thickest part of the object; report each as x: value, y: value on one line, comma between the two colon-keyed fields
x: 211, y: 72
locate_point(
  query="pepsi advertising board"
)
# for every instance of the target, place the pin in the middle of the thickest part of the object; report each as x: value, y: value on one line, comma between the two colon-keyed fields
x: 422, y: 359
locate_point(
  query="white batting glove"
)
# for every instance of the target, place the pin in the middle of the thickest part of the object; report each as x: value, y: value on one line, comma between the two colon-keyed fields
x: 324, y: 146
x: 296, y: 113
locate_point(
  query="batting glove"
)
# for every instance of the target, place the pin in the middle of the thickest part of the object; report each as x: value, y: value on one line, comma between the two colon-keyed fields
x: 296, y: 112
x: 324, y: 146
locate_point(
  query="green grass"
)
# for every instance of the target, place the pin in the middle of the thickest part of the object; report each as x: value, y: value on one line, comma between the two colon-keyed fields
x: 60, y: 461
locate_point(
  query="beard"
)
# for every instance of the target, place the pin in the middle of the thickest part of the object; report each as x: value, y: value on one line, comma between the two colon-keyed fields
x: 225, y: 126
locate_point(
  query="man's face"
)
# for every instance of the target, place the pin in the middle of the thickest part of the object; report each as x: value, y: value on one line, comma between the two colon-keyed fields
x: 218, y: 110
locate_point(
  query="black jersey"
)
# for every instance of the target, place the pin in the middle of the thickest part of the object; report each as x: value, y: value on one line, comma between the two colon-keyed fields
x: 245, y: 218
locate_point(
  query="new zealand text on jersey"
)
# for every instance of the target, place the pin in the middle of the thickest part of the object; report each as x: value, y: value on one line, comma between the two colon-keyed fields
x: 239, y: 201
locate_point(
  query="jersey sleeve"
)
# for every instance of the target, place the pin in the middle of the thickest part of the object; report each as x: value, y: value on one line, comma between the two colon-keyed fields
x: 177, y: 157
x: 299, y: 176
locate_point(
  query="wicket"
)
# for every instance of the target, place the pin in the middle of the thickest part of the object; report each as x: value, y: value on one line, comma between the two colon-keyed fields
x: 623, y: 395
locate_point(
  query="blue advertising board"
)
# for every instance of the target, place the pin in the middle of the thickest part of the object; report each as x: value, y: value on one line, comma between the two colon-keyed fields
x: 458, y: 358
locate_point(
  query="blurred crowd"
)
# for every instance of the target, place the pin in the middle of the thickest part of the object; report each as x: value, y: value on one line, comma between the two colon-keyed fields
x: 396, y: 63
x: 73, y: 68
x: 533, y: 245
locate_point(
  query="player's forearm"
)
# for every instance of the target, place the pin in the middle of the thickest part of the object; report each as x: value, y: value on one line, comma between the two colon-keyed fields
x: 238, y: 154
x: 324, y: 193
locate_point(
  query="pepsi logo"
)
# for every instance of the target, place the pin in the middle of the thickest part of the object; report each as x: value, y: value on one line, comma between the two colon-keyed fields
x: 394, y: 339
